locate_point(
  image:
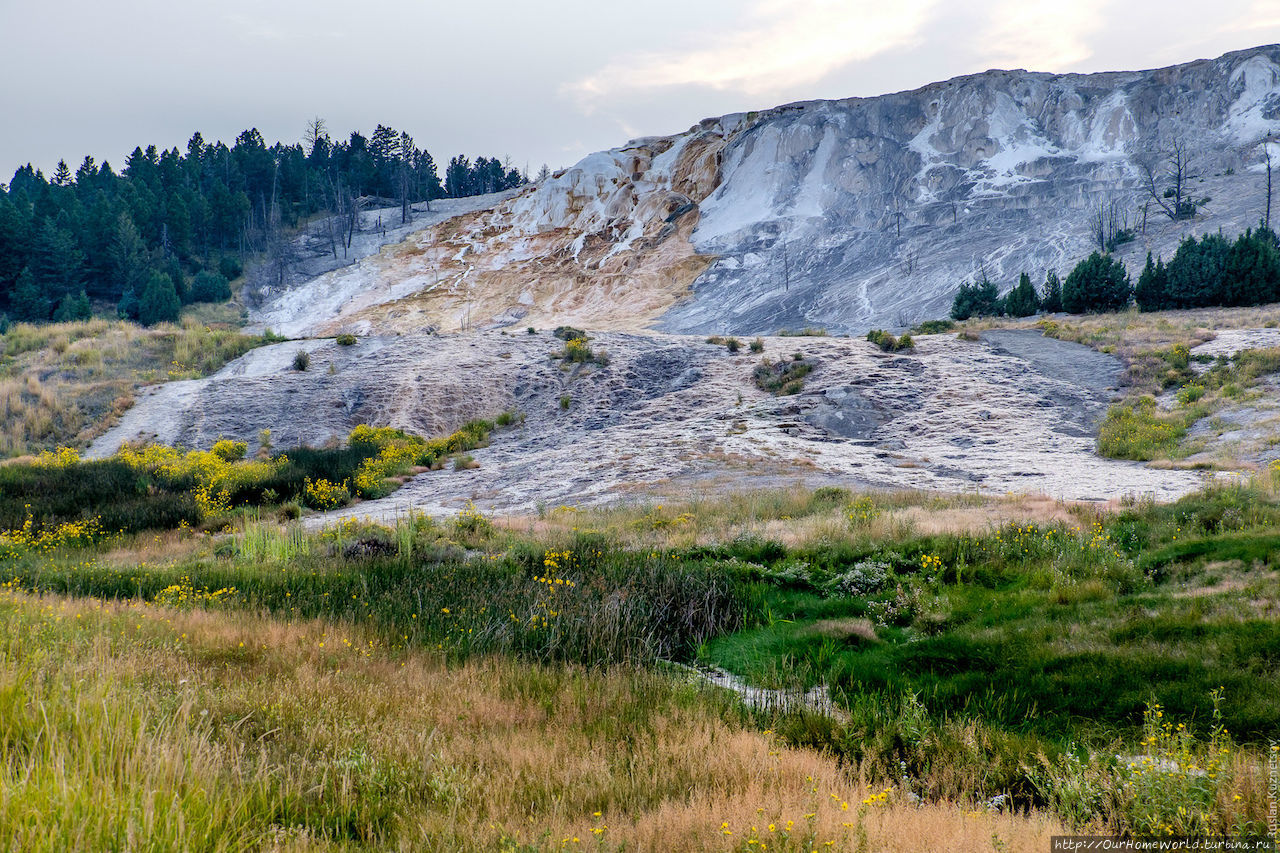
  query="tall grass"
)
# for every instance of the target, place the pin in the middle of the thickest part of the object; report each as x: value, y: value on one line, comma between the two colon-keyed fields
x: 134, y: 727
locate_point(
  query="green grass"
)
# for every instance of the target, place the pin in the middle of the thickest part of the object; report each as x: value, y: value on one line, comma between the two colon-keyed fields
x: 965, y: 665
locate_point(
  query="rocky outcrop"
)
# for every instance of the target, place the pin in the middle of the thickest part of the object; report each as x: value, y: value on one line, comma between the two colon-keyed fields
x: 845, y: 214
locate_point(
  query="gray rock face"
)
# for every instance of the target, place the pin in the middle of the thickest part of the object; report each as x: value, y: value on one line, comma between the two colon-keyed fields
x: 870, y: 212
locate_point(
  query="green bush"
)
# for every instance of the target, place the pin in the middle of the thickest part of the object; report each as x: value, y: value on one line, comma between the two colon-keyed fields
x: 889, y: 343
x: 569, y: 333
x: 159, y: 301
x: 934, y: 327
x: 345, y: 340
x: 301, y: 360
x: 210, y: 286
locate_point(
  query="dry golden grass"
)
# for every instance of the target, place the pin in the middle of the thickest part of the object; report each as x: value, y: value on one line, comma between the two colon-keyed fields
x: 208, y: 730
x: 67, y: 383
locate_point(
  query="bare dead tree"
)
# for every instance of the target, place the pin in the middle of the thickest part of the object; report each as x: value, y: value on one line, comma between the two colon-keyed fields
x: 1111, y: 226
x: 1176, y: 173
x: 316, y: 131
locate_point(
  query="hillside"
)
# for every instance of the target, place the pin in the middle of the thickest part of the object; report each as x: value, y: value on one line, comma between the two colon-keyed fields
x: 845, y: 214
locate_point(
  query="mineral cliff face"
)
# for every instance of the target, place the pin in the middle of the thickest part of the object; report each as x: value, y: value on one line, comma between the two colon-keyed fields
x: 846, y: 214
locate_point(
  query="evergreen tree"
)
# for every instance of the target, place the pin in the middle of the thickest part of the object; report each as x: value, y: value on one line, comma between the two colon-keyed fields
x: 28, y: 301
x: 56, y: 261
x: 1152, y: 290
x: 73, y: 307
x: 1098, y: 283
x: 1196, y: 272
x: 62, y: 175
x: 127, y: 309
x: 1251, y: 269
x: 1051, y: 301
x: 980, y: 299
x: 1022, y: 300
x: 129, y: 265
x: 159, y: 302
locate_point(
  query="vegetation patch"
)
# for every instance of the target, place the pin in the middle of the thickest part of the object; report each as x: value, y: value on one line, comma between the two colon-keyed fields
x: 65, y: 383
x: 889, y: 343
x: 157, y: 487
x: 577, y: 348
x: 783, y: 377
x: 1140, y: 431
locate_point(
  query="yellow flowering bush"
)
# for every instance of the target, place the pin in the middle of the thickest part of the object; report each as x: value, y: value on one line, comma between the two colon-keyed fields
x: 69, y: 534
x: 184, y: 595
x: 60, y: 458
x: 322, y: 494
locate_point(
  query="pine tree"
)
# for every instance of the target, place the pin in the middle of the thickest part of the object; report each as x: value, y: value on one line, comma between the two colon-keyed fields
x: 1251, y: 273
x: 1098, y: 283
x: 73, y: 307
x: 1022, y: 300
x: 28, y: 301
x: 1152, y: 290
x: 62, y: 175
x: 159, y: 302
x: 130, y: 267
x: 56, y: 261
x: 980, y: 299
x: 1051, y: 301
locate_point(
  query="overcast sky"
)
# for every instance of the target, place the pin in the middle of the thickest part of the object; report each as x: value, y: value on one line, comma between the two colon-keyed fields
x: 535, y: 81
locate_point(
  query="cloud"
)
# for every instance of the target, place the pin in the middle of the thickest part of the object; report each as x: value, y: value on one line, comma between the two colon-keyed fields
x: 780, y: 46
x: 1041, y: 35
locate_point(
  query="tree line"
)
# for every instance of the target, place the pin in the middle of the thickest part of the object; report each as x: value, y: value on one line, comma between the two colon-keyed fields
x: 174, y: 226
x: 1204, y: 272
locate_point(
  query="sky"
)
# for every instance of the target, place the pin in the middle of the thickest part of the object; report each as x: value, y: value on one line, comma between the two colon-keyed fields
x: 532, y: 82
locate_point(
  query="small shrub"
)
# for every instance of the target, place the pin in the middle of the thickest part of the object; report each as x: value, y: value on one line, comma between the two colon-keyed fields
x: 230, y: 267
x: 1189, y: 394
x: 889, y: 343
x: 565, y: 401
x: 783, y: 377
x: 757, y: 345
x: 531, y: 331
x: 345, y: 340
x: 569, y: 333
x: 732, y: 345
x: 934, y: 327
x: 464, y: 462
x: 301, y: 360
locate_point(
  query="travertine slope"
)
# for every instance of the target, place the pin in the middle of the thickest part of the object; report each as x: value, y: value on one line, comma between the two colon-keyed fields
x: 673, y: 415
x: 843, y: 214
